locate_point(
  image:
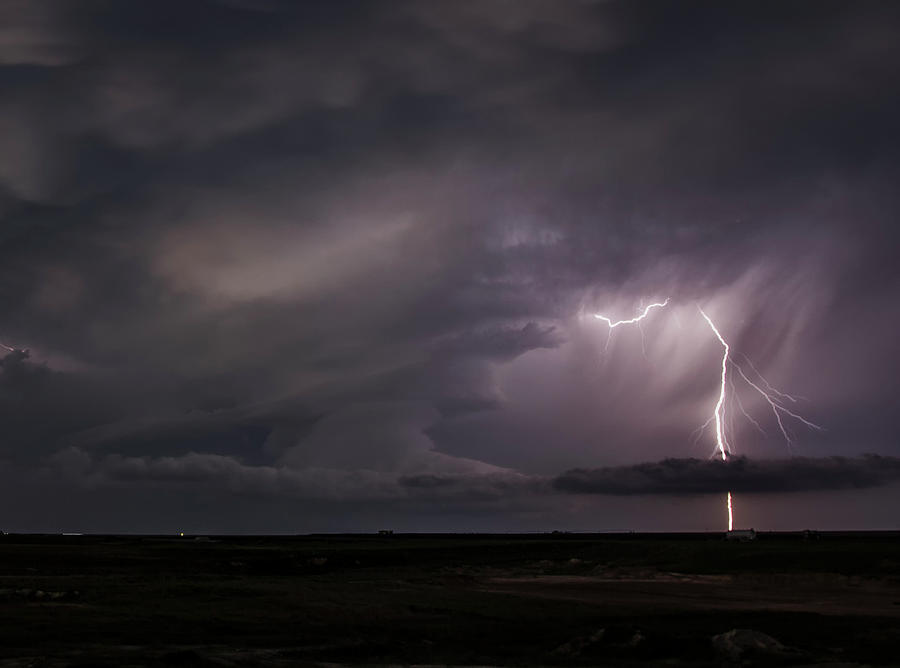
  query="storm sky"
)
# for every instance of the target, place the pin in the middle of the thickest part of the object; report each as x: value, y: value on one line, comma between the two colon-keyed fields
x: 271, y: 266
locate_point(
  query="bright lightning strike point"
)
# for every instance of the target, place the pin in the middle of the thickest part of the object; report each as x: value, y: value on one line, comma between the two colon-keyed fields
x: 730, y: 514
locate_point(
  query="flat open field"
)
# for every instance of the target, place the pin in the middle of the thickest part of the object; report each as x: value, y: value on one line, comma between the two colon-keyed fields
x: 555, y: 599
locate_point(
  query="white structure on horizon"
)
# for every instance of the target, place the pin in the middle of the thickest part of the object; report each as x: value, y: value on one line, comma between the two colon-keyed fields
x: 742, y: 535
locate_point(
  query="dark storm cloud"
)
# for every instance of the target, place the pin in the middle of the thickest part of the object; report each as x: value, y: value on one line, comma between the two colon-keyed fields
x: 361, y: 236
x: 740, y: 474
x: 39, y: 406
x: 669, y: 477
x: 310, y: 482
x: 503, y: 343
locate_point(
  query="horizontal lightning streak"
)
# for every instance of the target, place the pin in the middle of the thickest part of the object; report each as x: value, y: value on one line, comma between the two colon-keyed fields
x: 638, y: 318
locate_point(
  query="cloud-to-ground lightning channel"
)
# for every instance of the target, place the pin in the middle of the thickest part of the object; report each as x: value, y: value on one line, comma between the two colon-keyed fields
x: 719, y: 412
x: 774, y: 397
x: 730, y: 513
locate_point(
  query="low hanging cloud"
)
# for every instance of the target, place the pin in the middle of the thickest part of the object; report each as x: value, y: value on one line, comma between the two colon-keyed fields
x: 740, y: 474
x: 669, y: 477
x: 310, y: 482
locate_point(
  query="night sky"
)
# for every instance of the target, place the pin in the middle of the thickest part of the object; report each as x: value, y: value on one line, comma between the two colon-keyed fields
x: 272, y: 266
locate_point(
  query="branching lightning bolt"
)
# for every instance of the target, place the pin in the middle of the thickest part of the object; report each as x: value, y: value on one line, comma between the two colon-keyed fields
x: 778, y: 409
x: 740, y: 405
x: 779, y: 393
x: 719, y: 413
x: 774, y: 397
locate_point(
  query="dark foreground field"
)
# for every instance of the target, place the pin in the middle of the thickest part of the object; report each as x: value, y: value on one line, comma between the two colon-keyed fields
x: 486, y: 600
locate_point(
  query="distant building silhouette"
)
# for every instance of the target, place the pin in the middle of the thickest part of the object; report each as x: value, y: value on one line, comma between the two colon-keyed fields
x: 742, y: 535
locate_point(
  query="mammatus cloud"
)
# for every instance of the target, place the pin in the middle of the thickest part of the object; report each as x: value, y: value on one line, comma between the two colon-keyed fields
x: 738, y: 474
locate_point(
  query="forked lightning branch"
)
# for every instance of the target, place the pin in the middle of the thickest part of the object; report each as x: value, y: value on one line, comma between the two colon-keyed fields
x: 724, y: 434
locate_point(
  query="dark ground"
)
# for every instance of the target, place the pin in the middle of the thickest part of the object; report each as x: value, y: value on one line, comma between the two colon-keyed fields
x: 556, y: 599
